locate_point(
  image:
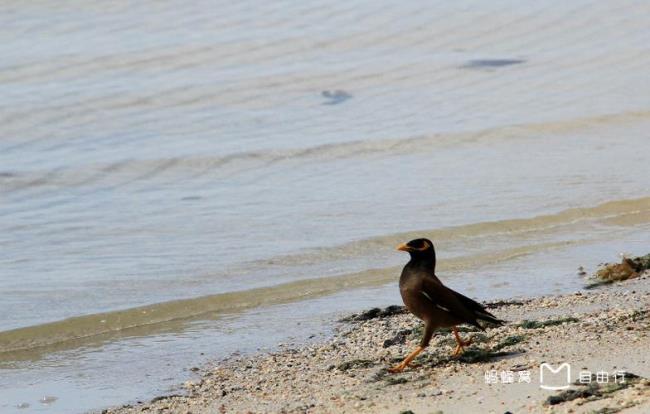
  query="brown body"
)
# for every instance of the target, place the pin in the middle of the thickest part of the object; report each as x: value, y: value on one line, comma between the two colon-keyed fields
x: 428, y: 299
x: 411, y: 288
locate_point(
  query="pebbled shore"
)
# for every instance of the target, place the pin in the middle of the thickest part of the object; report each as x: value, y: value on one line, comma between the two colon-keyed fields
x: 601, y: 330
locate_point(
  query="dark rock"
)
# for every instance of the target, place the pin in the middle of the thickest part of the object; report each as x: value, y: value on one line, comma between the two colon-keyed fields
x: 355, y: 363
x: 375, y: 313
x: 600, y: 283
x: 398, y: 339
x: 164, y: 397
x: 379, y: 375
x: 396, y: 380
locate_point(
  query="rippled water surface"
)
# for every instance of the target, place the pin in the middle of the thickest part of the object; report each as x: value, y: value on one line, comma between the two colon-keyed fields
x: 174, y: 173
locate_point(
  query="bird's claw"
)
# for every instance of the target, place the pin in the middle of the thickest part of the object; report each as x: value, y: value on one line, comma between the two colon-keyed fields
x: 460, y: 349
x: 396, y: 370
x: 401, y: 367
x: 457, y: 352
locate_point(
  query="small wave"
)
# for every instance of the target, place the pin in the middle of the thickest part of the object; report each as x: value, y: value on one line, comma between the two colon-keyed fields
x: 625, y: 213
x: 491, y: 63
x: 226, y: 165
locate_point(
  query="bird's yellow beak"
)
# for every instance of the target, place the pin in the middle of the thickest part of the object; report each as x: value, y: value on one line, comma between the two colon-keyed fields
x: 403, y: 247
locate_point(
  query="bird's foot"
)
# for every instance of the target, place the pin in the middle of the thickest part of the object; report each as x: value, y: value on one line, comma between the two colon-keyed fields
x: 458, y: 351
x: 460, y: 348
x: 401, y: 367
x: 407, y: 361
x: 466, y: 343
x: 460, y: 344
x: 398, y: 368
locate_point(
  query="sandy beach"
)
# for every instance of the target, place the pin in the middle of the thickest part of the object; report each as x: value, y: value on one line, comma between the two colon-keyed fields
x: 603, y: 334
x: 184, y: 182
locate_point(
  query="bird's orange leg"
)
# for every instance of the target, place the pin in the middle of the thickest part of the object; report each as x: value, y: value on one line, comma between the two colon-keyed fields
x: 459, y: 348
x: 407, y: 360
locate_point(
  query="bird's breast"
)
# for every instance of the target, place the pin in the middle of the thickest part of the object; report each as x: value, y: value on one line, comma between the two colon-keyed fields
x: 415, y: 301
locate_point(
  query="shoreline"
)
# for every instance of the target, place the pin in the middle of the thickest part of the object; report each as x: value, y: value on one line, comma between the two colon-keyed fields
x: 603, y: 330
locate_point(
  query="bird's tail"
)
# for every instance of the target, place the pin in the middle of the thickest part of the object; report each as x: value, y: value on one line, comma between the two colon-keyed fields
x: 479, y: 311
x: 488, y: 317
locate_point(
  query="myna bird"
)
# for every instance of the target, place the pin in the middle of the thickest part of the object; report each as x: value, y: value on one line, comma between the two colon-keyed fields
x: 437, y: 305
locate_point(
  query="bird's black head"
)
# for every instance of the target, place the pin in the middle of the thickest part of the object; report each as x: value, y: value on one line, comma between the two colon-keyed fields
x: 419, y: 249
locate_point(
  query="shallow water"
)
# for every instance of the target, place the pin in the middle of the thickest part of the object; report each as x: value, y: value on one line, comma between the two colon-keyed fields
x: 172, y: 169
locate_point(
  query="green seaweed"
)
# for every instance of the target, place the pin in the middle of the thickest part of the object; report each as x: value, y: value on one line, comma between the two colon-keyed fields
x: 638, y: 315
x: 355, y: 363
x: 592, y: 391
x: 509, y: 341
x: 526, y: 324
x: 396, y: 380
x: 641, y: 263
x: 613, y: 410
x: 474, y: 355
x: 606, y: 410
x: 459, y: 328
x: 480, y: 338
x: 500, y: 303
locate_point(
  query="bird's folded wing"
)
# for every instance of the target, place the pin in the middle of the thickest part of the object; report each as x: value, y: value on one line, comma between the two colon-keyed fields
x: 478, y: 309
x: 445, y: 299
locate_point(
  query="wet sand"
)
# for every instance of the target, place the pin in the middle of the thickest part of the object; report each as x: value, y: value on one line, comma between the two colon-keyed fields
x: 604, y: 332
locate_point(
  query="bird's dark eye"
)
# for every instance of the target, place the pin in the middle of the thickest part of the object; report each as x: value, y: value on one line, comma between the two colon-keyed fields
x: 419, y: 244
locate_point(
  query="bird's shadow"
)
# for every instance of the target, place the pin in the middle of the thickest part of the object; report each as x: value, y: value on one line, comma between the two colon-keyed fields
x: 473, y: 354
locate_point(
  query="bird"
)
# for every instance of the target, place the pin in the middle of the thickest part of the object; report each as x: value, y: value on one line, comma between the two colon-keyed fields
x: 437, y: 305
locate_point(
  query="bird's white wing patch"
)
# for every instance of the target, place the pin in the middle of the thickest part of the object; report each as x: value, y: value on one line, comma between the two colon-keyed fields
x: 434, y: 302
